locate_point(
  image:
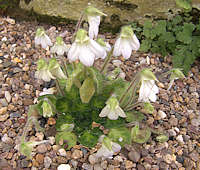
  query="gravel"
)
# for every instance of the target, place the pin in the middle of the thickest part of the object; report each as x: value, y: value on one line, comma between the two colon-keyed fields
x: 176, y: 111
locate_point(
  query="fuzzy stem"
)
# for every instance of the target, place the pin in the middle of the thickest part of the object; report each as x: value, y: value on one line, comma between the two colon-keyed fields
x: 127, y: 90
x: 64, y: 66
x: 59, y: 88
x: 133, y: 106
x: 78, y: 25
x: 107, y: 60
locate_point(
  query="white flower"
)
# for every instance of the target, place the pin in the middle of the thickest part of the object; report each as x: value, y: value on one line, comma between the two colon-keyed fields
x: 126, y: 42
x: 60, y: 47
x: 107, y: 149
x: 47, y: 91
x: 42, y: 38
x: 64, y: 167
x: 55, y: 69
x: 148, y: 88
x: 105, y: 45
x: 47, y: 109
x: 43, y: 71
x: 93, y: 16
x: 85, y: 49
x: 112, y: 109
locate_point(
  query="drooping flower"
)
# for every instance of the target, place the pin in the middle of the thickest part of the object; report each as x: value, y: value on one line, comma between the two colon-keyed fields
x: 48, y: 91
x: 48, y: 109
x: 112, y: 109
x: 176, y: 73
x: 85, y: 49
x: 148, y: 88
x: 93, y: 16
x: 42, y: 39
x: 43, y: 71
x: 107, y: 149
x: 126, y: 42
x: 60, y: 47
x: 105, y: 45
x: 55, y: 69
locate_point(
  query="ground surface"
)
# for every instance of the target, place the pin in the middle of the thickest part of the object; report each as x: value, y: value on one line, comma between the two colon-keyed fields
x: 177, y: 111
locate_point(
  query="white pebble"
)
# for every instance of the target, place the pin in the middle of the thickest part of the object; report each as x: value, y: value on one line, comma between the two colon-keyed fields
x: 64, y: 167
x: 8, y: 96
x: 62, y: 152
x: 162, y: 114
x: 4, y: 39
x: 180, y: 138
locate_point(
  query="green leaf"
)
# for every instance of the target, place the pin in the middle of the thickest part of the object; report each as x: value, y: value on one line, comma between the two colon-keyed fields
x: 87, y: 90
x: 162, y: 138
x: 145, y: 45
x: 62, y: 120
x: 160, y: 27
x: 134, y: 116
x: 62, y: 105
x: 121, y: 136
x: 140, y: 136
x: 26, y: 149
x: 69, y: 137
x: 88, y: 139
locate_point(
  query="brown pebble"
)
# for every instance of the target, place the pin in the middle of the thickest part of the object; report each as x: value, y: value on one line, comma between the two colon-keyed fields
x: 39, y: 158
x: 51, y: 121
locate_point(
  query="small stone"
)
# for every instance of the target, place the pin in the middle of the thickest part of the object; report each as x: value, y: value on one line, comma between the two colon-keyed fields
x: 4, y: 117
x: 194, y: 156
x: 173, y: 121
x: 27, y: 86
x: 39, y: 158
x: 64, y: 167
x: 41, y: 148
x: 77, y: 154
x: 28, y: 102
x: 104, y: 164
x: 10, y: 21
x: 24, y: 163
x: 62, y: 152
x: 51, y: 121
x: 4, y: 39
x: 93, y: 159
x: 169, y: 158
x: 118, y: 158
x: 3, y: 110
x: 6, y: 139
x: 195, y: 122
x: 134, y: 156
x: 161, y: 85
x: 98, y: 167
x: 117, y: 63
x: 47, y: 162
x: 179, y: 138
x: 8, y: 96
x: 87, y: 166
x: 162, y: 114
x: 52, y: 140
x: 3, y: 102
x: 129, y: 164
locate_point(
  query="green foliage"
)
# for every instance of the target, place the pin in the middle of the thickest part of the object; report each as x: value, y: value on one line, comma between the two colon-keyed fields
x: 178, y: 37
x: 162, y: 138
x: 120, y: 135
x: 134, y: 116
x: 140, y: 135
x: 69, y: 137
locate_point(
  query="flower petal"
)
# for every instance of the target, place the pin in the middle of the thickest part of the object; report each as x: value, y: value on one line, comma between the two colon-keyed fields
x: 117, y: 48
x: 73, y: 52
x: 135, y: 44
x: 126, y: 48
x: 86, y: 56
x: 104, y: 111
x: 113, y: 115
x: 120, y: 112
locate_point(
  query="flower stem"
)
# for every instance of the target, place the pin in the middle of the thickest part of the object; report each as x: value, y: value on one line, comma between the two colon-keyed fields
x: 59, y: 88
x: 128, y: 89
x: 78, y: 25
x: 64, y: 66
x: 107, y: 60
x: 133, y: 106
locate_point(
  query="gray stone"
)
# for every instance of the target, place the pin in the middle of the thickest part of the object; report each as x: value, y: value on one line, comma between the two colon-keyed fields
x: 118, y: 11
x: 87, y: 166
x: 47, y: 162
x: 41, y: 148
x: 134, y: 156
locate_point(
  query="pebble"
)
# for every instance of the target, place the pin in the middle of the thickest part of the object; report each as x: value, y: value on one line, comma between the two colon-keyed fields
x: 39, y: 158
x: 64, y: 167
x: 4, y: 117
x: 51, y: 121
x: 169, y: 158
x: 77, y: 154
x: 41, y: 148
x: 3, y: 110
x: 62, y: 152
x: 6, y: 139
x: 98, y: 167
x: 179, y: 138
x: 8, y: 96
x: 117, y: 63
x: 162, y: 114
x: 87, y: 166
x: 93, y: 159
x: 129, y: 164
x: 134, y: 156
x: 47, y: 162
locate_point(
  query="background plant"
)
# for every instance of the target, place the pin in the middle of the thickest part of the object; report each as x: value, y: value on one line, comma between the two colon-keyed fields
x: 179, y: 37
